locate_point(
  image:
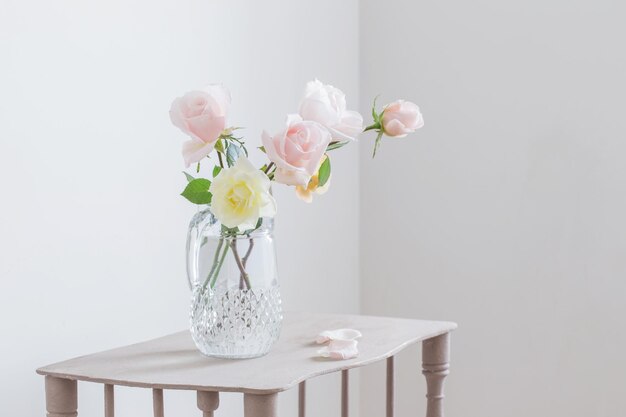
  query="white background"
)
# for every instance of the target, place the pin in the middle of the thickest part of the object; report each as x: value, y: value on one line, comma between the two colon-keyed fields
x: 92, y: 227
x: 505, y: 213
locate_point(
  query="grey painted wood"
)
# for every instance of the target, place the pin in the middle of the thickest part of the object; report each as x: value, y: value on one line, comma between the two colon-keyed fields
x: 390, y: 397
x: 109, y: 400
x: 208, y: 402
x: 345, y: 393
x: 173, y: 362
x: 61, y: 397
x: 435, y: 364
x: 260, y: 405
x: 302, y: 399
x: 157, y: 402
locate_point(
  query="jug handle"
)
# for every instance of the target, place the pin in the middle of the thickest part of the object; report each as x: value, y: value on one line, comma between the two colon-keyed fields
x: 194, y: 234
x: 192, y: 247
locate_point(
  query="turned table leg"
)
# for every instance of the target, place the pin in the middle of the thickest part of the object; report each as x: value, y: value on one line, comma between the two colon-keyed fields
x: 390, y: 386
x: 61, y: 397
x: 435, y: 358
x: 260, y: 405
x: 302, y: 399
x: 208, y: 402
x: 109, y: 401
x: 157, y: 402
x: 345, y: 393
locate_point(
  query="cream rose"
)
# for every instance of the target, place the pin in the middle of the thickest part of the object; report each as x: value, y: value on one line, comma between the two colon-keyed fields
x: 241, y: 195
x: 326, y: 105
x: 297, y: 150
x: 401, y: 118
x: 201, y: 115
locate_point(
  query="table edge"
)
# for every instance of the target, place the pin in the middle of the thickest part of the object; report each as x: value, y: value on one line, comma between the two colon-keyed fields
x: 41, y: 371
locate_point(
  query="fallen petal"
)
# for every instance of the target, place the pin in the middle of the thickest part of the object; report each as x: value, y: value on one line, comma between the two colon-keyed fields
x: 338, y: 334
x: 340, y: 349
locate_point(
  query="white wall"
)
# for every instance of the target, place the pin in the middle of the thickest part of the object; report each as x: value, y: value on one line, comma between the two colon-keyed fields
x: 92, y: 228
x: 506, y: 212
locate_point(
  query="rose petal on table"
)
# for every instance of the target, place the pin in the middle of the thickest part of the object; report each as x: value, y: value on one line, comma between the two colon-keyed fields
x: 340, y: 349
x: 338, y: 334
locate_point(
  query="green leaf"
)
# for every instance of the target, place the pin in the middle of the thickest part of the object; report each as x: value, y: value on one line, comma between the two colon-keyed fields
x: 374, y: 114
x: 336, y: 145
x: 216, y: 170
x: 189, y: 177
x: 324, y: 173
x: 239, y: 143
x: 219, y: 146
x: 377, y: 143
x: 230, y: 159
x: 229, y: 231
x: 232, y: 154
x: 197, y: 191
x: 375, y: 126
x: 262, y: 149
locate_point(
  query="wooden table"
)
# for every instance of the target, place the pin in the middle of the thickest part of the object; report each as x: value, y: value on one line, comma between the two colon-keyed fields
x: 172, y: 362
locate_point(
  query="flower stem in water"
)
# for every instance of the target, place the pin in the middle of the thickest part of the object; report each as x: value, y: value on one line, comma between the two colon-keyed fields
x: 219, y: 266
x: 214, y: 265
x: 242, y: 268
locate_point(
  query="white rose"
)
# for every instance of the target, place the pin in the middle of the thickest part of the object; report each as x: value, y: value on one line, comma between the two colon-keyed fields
x: 326, y: 105
x: 241, y: 195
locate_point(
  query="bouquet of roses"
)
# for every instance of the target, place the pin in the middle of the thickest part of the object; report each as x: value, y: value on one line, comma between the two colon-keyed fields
x: 239, y: 193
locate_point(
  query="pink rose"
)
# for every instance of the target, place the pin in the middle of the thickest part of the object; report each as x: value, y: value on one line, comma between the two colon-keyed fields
x: 401, y: 118
x: 297, y: 150
x: 201, y: 115
x: 326, y: 105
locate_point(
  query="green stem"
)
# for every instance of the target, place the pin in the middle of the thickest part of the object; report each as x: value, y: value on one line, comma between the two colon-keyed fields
x: 214, y: 265
x: 219, y: 157
x: 377, y: 143
x: 270, y: 175
x: 244, y: 260
x: 219, y: 267
x: 242, y: 269
x: 247, y: 255
x: 372, y: 127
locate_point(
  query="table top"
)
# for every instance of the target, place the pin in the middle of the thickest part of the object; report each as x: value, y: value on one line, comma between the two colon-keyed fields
x: 172, y: 362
